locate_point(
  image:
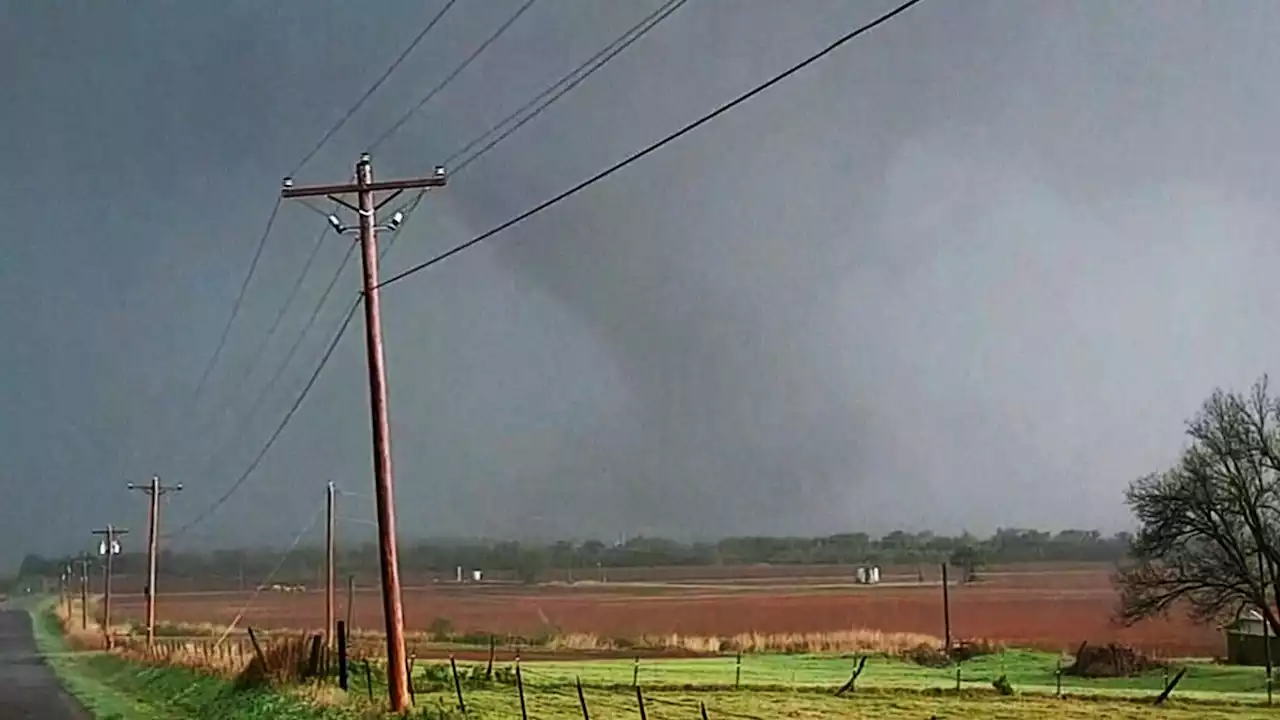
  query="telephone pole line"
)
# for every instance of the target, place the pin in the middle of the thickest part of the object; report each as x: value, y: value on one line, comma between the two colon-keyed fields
x: 84, y: 591
x: 328, y: 568
x: 367, y: 204
x: 64, y: 589
x: 154, y: 489
x: 110, y: 547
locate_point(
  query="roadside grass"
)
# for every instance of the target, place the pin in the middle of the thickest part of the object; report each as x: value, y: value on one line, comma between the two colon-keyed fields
x: 773, y: 685
x: 76, y: 670
x: 112, y: 688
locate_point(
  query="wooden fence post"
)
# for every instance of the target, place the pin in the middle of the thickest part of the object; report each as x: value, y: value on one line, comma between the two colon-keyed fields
x: 408, y: 673
x: 635, y: 673
x: 1169, y: 688
x: 582, y: 700
x: 457, y: 685
x: 313, y: 659
x: 488, y: 671
x: 257, y: 650
x: 368, y: 678
x: 342, y: 654
x: 524, y: 713
x: 737, y: 675
x: 853, y: 679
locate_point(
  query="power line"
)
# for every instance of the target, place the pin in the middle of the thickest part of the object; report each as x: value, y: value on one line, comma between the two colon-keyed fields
x: 288, y: 303
x: 207, y: 373
x: 280, y: 370
x: 284, y: 557
x: 248, y: 417
x: 456, y: 71
x: 654, y: 146
x: 235, y: 308
x: 261, y: 349
x: 284, y: 422
x: 408, y: 213
x: 373, y: 88
x: 564, y: 85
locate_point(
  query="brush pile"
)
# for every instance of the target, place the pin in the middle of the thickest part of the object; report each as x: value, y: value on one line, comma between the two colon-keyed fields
x: 1110, y: 660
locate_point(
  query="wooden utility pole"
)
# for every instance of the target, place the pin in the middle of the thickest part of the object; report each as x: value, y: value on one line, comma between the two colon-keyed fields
x: 946, y: 607
x: 109, y: 547
x: 1266, y: 623
x: 351, y: 600
x: 84, y: 592
x: 64, y: 589
x: 154, y: 490
x: 366, y: 207
x: 328, y: 569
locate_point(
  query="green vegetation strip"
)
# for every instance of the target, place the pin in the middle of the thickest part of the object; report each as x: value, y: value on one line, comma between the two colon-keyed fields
x: 1028, y: 672
x: 773, y: 686
x: 116, y: 689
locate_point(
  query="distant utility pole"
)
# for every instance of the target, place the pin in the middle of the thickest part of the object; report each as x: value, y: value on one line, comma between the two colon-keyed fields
x: 153, y: 489
x: 946, y: 607
x: 328, y: 567
x: 109, y: 547
x: 84, y: 592
x: 64, y: 588
x: 366, y: 207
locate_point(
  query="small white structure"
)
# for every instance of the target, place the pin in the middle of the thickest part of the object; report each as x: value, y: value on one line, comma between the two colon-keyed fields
x: 476, y: 575
x: 459, y: 573
x: 867, y: 575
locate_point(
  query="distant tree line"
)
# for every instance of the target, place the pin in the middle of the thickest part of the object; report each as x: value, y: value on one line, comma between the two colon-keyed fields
x: 531, y: 562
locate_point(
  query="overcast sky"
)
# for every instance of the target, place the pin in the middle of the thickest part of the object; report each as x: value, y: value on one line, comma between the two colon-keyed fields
x: 974, y: 269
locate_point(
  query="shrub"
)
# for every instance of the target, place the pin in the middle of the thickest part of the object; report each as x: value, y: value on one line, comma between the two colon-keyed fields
x: 928, y: 656
x: 1110, y: 661
x: 969, y: 649
x: 441, y: 628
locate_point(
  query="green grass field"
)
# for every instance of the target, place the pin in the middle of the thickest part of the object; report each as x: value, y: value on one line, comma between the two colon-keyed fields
x: 772, y: 686
x: 1029, y: 672
x: 548, y: 703
x: 801, y: 686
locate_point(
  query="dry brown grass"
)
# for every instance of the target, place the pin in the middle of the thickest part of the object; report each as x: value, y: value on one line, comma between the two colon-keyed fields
x: 80, y: 638
x: 856, y: 640
x: 228, y: 659
x: 285, y: 658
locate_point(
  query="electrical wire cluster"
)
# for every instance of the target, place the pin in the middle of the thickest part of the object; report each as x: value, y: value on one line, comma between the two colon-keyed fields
x: 467, y: 154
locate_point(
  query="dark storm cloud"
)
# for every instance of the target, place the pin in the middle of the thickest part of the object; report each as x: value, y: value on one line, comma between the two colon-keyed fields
x: 974, y: 269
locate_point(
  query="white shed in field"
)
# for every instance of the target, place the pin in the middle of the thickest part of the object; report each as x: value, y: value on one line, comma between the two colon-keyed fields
x: 867, y: 574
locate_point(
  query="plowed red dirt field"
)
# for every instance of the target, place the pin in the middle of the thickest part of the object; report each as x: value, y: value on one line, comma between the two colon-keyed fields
x: 1043, y: 607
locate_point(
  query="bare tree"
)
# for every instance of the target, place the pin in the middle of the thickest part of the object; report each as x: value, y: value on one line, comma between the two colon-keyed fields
x: 1209, y: 526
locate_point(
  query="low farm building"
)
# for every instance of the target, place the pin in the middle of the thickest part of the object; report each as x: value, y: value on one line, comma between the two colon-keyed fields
x: 1247, y: 640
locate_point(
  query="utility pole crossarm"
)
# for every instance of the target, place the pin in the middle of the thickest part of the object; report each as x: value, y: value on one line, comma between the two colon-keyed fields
x: 158, y: 489
x: 435, y: 181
